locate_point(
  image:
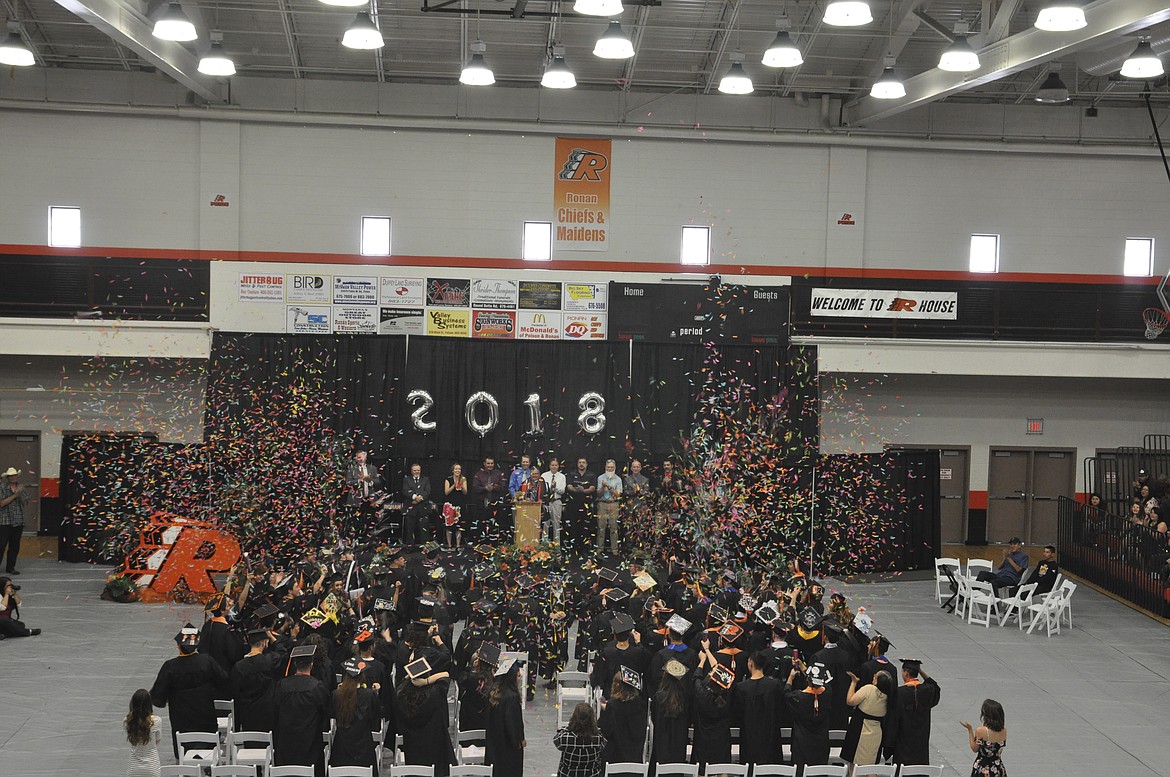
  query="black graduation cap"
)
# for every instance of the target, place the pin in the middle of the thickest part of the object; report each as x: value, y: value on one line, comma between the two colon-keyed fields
x: 431, y: 547
x: 489, y: 653
x: 265, y: 611
x: 426, y: 607
x: 911, y: 664
x: 383, y: 604
x: 767, y: 614
x: 418, y: 668
x: 607, y: 574
x: 484, y: 606
x: 216, y: 602
x: 302, y: 652
x: 630, y: 678
x: 883, y: 643
x: 809, y: 618
x: 718, y: 614
x: 363, y: 637
x: 188, y: 636
x: 678, y: 624
x: 255, y: 635
x: 722, y: 676
x: 353, y: 667
x: 613, y: 595
x: 484, y: 549
x: 525, y: 581
x: 622, y: 624
x: 485, y: 571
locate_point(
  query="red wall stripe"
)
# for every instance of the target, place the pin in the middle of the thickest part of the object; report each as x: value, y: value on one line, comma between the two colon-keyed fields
x: 50, y: 488
x: 977, y: 500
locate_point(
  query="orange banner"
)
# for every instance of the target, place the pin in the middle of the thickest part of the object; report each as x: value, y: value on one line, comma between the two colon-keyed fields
x: 581, y: 195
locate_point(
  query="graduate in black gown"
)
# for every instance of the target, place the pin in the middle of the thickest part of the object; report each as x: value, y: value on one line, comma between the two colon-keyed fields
x: 810, y: 708
x: 505, y: 742
x: 217, y: 638
x: 302, y: 713
x: 839, y: 663
x: 357, y: 712
x: 188, y: 686
x: 624, y: 721
x: 253, y: 682
x: 711, y: 710
x: 756, y: 702
x: 910, y: 718
x: 625, y: 649
x: 421, y: 717
x: 672, y: 713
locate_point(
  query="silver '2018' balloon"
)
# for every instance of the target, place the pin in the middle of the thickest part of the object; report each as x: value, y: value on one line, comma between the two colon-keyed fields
x: 493, y: 412
x: 592, y: 417
x: 420, y: 412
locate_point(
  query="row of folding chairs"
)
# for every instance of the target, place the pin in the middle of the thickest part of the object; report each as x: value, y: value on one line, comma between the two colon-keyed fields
x: 769, y: 770
x: 242, y: 770
x: 980, y: 604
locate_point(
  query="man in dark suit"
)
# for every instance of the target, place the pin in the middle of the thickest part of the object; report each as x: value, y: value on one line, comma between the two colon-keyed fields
x: 416, y: 492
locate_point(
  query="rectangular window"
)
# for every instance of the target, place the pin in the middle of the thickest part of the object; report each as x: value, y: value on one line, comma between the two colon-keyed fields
x: 696, y: 245
x: 375, y: 236
x: 64, y: 227
x: 536, y: 241
x: 984, y: 253
x: 1139, y: 256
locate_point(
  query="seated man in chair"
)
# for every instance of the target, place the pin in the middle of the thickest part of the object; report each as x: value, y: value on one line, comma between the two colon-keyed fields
x: 1015, y: 561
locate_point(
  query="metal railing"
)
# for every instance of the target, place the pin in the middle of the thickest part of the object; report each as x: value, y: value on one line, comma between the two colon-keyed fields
x: 1126, y: 559
x: 1114, y: 474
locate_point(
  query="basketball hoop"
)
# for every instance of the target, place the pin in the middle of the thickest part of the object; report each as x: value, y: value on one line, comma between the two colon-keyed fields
x: 1156, y: 320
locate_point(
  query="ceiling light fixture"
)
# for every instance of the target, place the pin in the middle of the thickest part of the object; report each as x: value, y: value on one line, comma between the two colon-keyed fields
x: 847, y: 13
x: 959, y: 56
x: 1053, y: 91
x: 476, y: 72
x: 363, y: 34
x: 346, y: 3
x: 736, y: 79
x: 557, y: 75
x: 173, y: 24
x: 783, y: 52
x: 598, y: 7
x: 14, y: 51
x: 1142, y: 63
x: 1061, y: 16
x: 888, y: 86
x: 216, y: 62
x: 614, y: 43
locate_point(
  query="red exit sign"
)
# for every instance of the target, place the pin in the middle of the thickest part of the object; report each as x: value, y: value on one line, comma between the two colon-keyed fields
x: 1035, y: 426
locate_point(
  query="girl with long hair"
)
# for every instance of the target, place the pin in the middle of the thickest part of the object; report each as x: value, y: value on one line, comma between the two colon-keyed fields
x: 143, y: 732
x: 357, y: 712
x: 505, y: 742
x: 712, y: 712
x: 988, y: 740
x: 672, y: 714
x: 623, y: 723
x: 863, y: 742
x: 581, y: 744
x: 421, y: 715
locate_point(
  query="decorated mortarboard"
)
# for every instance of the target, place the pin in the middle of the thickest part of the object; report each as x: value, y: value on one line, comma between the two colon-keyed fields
x: 265, y: 611
x: 485, y: 571
x: 426, y: 605
x: 314, y: 618
x: 504, y: 666
x: 722, y: 676
x: 188, y: 635
x: 818, y: 675
x: 747, y: 602
x: 363, y: 637
x: 484, y: 549
x: 863, y: 622
x: 644, y: 581
x: 767, y: 614
x: 675, y: 668
x: 353, y: 667
x: 437, y: 574
x: 418, y: 668
x: 489, y: 653
x: 809, y: 619
x: 729, y: 574
x: 630, y: 677
x: 484, y: 606
x: 730, y: 631
x: 622, y: 624
x: 606, y: 574
x: 678, y: 624
x: 431, y: 547
x: 717, y: 614
x: 616, y: 595
x: 525, y: 581
x: 302, y: 652
x: 383, y: 604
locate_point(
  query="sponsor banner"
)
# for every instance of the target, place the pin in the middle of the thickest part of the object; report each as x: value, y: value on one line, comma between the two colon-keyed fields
x: 356, y: 320
x: 493, y: 323
x: 496, y: 294
x: 401, y: 321
x: 308, y: 320
x: 355, y: 290
x: 448, y: 292
x: 447, y: 323
x: 261, y: 288
x: 538, y: 325
x: 586, y: 297
x: 308, y: 288
x: 579, y: 326
x: 879, y: 303
x: 581, y: 195
x: 402, y: 292
x: 540, y: 295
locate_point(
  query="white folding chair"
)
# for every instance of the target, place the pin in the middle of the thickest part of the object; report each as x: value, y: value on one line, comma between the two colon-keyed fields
x: 977, y: 565
x: 399, y: 771
x: 473, y: 770
x: 921, y: 771
x: 773, y: 770
x: 181, y: 770
x: 233, y: 770
x: 225, y: 719
x: 733, y: 770
x: 676, y: 770
x: 735, y: 745
x: 626, y: 767
x: 940, y: 577
x: 834, y: 770
x: 1068, y: 587
x: 250, y: 748
x: 572, y: 689
x: 291, y: 771
x: 1016, y: 603
x: 875, y: 770
x: 198, y: 748
x: 1048, y: 611
x: 470, y: 746
x: 350, y: 771
x: 980, y: 602
x: 962, y: 597
x: 836, y: 740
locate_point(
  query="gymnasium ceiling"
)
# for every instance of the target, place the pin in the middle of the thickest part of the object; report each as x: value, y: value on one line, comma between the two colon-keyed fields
x: 682, y: 46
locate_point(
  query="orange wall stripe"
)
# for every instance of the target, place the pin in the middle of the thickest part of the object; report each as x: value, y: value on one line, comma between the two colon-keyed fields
x: 50, y: 488
x: 977, y: 500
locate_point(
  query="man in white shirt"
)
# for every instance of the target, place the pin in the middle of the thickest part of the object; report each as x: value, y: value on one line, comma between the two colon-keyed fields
x: 554, y: 492
x: 609, y: 494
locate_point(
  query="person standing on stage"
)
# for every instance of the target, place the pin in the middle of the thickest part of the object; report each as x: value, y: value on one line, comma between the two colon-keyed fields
x: 518, y: 476
x: 455, y: 491
x: 361, y: 478
x: 417, y: 506
x: 635, y: 489
x: 580, y: 487
x: 488, y: 487
x: 667, y: 488
x: 609, y: 497
x: 554, y: 490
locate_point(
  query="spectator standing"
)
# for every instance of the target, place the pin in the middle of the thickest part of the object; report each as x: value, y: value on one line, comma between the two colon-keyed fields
x: 988, y: 741
x: 580, y: 486
x: 581, y: 744
x: 554, y: 490
x: 863, y: 742
x: 455, y: 492
x: 13, y: 498
x: 609, y: 497
x: 144, y: 732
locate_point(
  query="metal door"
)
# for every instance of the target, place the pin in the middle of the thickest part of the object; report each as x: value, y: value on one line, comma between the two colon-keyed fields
x: 952, y: 483
x: 1008, y: 475
x: 1053, y: 475
x: 23, y: 451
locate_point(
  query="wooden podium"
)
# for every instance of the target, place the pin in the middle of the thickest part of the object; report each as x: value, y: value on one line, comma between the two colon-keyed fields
x: 526, y: 519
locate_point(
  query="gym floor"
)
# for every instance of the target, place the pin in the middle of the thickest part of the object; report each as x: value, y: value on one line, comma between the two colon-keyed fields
x: 1089, y: 701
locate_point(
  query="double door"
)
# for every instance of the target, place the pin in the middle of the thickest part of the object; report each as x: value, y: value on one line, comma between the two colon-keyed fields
x: 1023, y: 487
